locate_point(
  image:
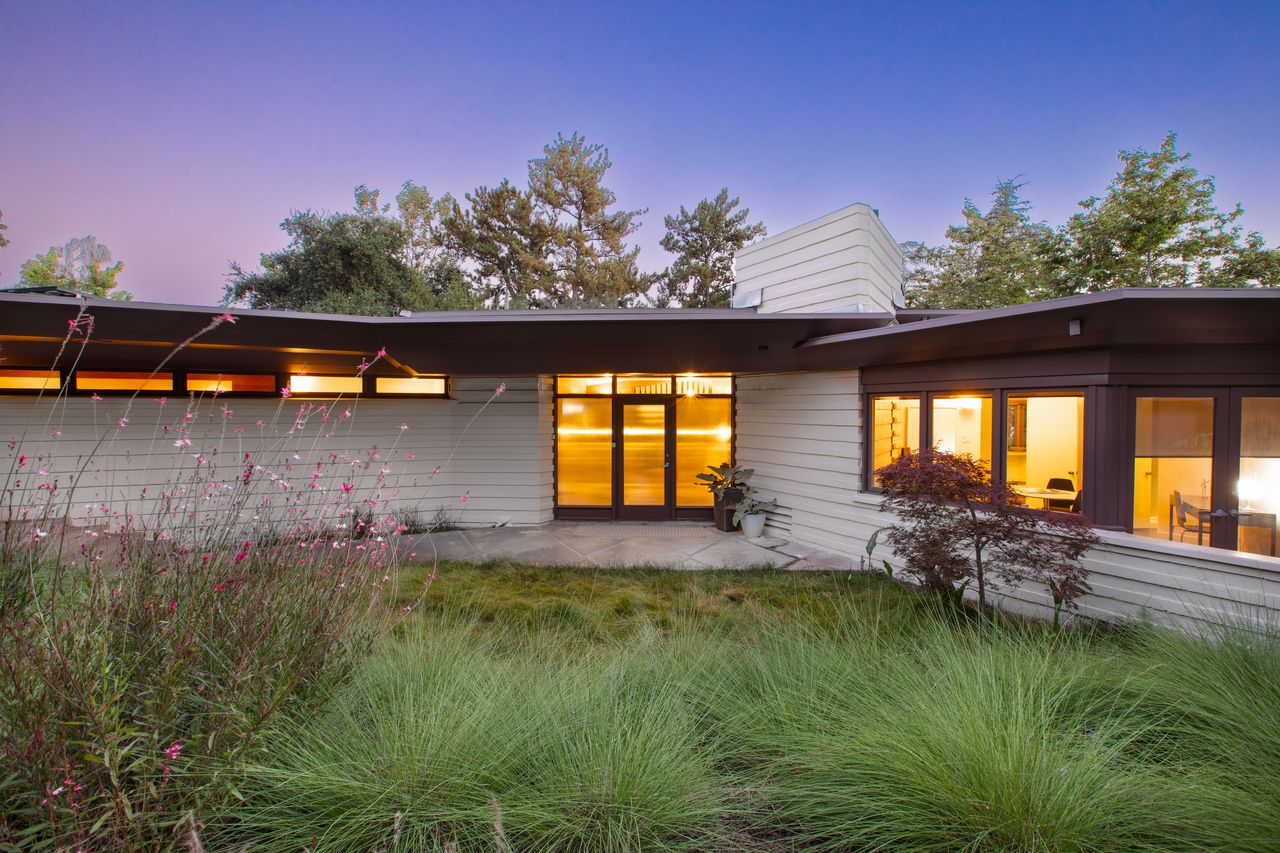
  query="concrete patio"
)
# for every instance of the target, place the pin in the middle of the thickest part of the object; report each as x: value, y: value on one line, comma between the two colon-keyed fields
x: 675, y: 545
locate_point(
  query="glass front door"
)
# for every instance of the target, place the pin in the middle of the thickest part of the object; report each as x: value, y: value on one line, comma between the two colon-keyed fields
x: 645, y: 460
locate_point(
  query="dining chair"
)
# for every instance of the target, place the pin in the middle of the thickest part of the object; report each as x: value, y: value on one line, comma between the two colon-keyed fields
x: 1181, y: 509
x: 1062, y: 484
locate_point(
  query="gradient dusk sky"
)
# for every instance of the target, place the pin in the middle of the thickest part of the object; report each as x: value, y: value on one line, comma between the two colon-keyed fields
x: 180, y: 134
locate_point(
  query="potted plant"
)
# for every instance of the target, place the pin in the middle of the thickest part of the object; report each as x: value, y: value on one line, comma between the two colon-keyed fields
x: 750, y: 513
x: 728, y: 484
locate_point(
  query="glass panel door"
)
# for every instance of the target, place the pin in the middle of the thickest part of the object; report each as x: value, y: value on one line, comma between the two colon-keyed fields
x: 1173, y: 468
x: 644, y: 457
x: 1258, y: 485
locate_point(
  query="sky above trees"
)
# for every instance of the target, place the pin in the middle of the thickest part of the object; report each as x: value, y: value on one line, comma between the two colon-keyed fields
x: 182, y: 136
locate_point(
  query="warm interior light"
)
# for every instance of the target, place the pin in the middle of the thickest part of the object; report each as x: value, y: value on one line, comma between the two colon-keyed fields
x: 433, y: 385
x: 693, y: 384
x: 107, y: 380
x: 304, y: 384
x: 600, y: 384
x: 30, y: 380
x: 227, y: 383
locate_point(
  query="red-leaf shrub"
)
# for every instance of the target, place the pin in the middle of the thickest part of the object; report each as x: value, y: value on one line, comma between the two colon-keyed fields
x: 955, y: 527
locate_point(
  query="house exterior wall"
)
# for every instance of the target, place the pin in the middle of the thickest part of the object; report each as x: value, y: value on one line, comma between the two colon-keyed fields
x: 844, y: 261
x: 500, y: 458
x: 803, y: 434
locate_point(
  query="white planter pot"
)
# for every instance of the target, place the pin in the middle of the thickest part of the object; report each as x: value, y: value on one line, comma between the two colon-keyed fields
x: 753, y: 525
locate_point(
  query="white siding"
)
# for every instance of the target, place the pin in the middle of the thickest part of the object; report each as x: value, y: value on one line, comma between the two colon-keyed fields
x: 802, y: 433
x: 842, y: 260
x: 502, y: 461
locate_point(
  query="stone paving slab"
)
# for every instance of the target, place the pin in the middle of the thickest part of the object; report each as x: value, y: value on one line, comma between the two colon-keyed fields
x: 605, y: 544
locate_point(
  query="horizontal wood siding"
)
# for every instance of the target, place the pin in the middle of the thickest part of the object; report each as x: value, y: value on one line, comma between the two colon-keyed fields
x: 1134, y: 577
x: 501, y: 461
x: 843, y: 259
x: 801, y: 432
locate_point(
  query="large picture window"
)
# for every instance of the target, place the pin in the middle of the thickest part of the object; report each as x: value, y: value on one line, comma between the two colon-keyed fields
x: 1044, y: 449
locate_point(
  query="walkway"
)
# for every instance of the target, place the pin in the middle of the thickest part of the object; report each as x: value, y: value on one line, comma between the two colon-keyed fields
x: 675, y: 545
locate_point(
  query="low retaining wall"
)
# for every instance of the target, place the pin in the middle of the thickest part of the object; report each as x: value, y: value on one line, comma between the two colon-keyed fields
x: 1133, y: 577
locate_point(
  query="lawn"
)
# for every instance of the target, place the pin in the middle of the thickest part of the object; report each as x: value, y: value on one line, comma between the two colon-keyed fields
x: 544, y: 709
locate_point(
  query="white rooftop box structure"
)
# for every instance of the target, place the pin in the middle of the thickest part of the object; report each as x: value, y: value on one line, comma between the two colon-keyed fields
x: 846, y: 261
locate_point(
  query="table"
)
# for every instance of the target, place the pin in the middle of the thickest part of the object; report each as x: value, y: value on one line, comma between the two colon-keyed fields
x: 1244, y: 518
x: 1045, y: 495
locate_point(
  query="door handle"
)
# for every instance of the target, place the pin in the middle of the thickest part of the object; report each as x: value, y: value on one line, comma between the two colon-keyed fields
x: 1222, y: 513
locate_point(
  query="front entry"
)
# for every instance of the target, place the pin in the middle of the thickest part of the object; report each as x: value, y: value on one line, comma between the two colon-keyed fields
x: 626, y: 452
x: 643, y: 436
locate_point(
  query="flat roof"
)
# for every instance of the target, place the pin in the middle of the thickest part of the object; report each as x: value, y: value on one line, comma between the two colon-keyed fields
x: 136, y: 335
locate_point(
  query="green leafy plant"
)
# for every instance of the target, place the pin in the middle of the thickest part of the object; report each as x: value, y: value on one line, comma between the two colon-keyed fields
x: 724, y: 477
x: 751, y: 503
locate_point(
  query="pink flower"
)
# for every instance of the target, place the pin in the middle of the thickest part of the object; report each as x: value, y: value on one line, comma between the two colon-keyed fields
x: 346, y: 487
x: 239, y: 429
x: 22, y: 460
x: 346, y: 414
x: 409, y: 454
x: 173, y: 605
x: 285, y: 393
x: 160, y: 401
x: 403, y: 427
x: 95, y: 397
x: 124, y: 422
x: 217, y: 587
x: 57, y: 433
x: 242, y: 556
x: 464, y: 498
x: 382, y: 353
x: 435, y: 470
x: 500, y: 390
x: 223, y: 318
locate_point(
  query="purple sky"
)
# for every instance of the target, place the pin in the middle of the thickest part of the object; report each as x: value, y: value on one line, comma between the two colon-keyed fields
x: 181, y: 134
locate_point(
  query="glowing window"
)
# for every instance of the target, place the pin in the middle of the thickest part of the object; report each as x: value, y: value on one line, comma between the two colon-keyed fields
x: 231, y: 383
x: 962, y: 425
x: 644, y: 384
x: 584, y: 452
x: 704, y: 433
x: 108, y: 380
x: 305, y: 384
x: 430, y: 385
x: 1044, y: 458
x: 692, y: 384
x: 895, y: 429
x: 602, y: 384
x: 1173, y: 468
x: 30, y: 380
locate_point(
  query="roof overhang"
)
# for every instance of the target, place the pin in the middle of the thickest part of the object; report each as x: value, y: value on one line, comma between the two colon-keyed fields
x: 1167, y: 318
x: 138, y: 335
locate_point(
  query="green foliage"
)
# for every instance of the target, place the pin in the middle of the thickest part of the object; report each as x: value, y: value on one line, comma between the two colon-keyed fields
x: 367, y: 262
x: 560, y: 243
x: 501, y: 233
x: 725, y: 476
x: 82, y: 263
x: 1001, y: 257
x: 1157, y: 225
x: 572, y: 709
x: 704, y: 241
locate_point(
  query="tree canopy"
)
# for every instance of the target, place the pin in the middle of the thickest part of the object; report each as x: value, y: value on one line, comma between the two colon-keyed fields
x: 364, y: 262
x: 704, y: 241
x: 82, y: 263
x: 1156, y: 225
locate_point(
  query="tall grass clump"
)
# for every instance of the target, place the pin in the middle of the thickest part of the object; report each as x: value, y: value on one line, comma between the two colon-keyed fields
x: 159, y: 615
x: 443, y: 740
x: 957, y: 737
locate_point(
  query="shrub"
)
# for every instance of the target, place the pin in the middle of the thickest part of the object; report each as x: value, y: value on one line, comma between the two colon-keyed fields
x: 143, y: 654
x: 957, y: 526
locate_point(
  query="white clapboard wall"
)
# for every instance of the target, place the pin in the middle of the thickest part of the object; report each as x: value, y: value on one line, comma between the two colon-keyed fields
x: 844, y: 261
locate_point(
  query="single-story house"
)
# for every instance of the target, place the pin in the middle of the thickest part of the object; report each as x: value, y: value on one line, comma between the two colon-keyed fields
x: 1154, y: 412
